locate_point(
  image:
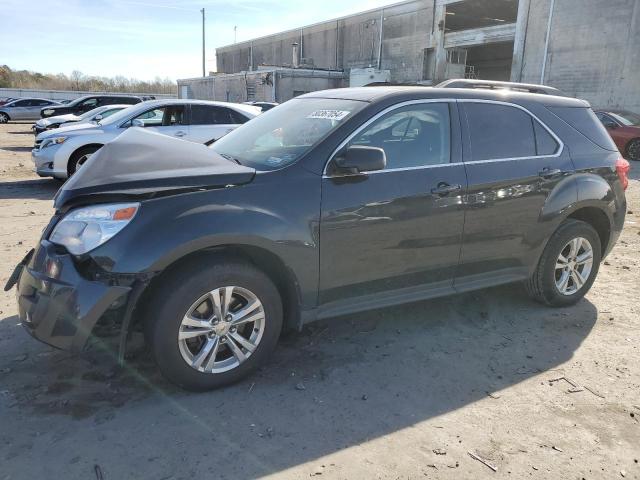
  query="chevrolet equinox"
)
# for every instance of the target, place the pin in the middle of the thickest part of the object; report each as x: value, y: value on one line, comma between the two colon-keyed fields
x: 335, y: 202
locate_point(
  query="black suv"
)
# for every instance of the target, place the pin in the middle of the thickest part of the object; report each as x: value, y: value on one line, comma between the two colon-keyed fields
x: 335, y: 202
x: 89, y: 102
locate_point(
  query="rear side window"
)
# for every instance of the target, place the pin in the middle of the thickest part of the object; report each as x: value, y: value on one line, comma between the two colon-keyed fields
x: 237, y: 118
x: 585, y: 121
x: 206, y: 115
x: 500, y: 131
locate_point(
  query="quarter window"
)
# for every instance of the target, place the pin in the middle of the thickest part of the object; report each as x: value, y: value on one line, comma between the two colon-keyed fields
x: 411, y: 136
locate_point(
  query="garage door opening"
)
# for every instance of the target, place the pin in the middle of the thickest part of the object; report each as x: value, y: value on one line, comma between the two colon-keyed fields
x: 490, y: 62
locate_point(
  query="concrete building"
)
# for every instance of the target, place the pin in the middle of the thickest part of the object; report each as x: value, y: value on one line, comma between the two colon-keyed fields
x: 588, y: 48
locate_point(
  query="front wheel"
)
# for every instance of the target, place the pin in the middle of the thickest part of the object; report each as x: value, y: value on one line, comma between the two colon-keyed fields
x: 4, y: 118
x: 211, y: 324
x: 633, y: 150
x: 79, y: 158
x: 568, y: 266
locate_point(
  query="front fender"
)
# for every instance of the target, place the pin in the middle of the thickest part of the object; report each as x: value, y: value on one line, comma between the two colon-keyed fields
x: 279, y: 218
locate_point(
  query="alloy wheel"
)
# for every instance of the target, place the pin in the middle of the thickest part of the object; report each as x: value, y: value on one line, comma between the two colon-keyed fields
x: 221, y: 329
x: 4, y: 118
x: 573, y: 266
x: 82, y: 160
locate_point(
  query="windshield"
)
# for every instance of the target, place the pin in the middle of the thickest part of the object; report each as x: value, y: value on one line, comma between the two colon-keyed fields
x: 628, y: 119
x: 123, y: 114
x: 282, y: 135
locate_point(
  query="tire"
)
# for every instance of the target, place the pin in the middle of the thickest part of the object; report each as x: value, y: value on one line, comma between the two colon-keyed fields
x: 633, y: 150
x: 79, y: 157
x: 4, y: 118
x: 177, y: 296
x: 546, y: 285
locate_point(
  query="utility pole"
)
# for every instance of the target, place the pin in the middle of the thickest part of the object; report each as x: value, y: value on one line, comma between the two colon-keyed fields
x: 235, y: 33
x: 204, y: 73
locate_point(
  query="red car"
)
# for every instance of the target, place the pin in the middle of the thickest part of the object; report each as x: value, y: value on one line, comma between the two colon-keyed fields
x: 624, y: 128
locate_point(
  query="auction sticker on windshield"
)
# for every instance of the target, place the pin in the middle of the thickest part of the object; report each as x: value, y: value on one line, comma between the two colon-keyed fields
x: 329, y: 114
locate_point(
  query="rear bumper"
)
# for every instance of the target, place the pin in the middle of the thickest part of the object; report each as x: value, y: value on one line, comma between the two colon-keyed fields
x: 61, y: 308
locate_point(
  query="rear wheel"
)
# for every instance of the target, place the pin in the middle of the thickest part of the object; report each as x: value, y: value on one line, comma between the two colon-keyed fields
x: 4, y: 118
x: 211, y: 324
x: 633, y: 150
x: 568, y: 266
x: 79, y: 158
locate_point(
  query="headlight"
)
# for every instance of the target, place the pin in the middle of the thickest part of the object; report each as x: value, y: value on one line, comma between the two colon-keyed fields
x: 48, y: 142
x: 48, y: 112
x: 86, y: 228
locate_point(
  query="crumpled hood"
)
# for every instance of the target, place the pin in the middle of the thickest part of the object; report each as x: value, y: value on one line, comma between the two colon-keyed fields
x: 140, y: 162
x: 69, y: 117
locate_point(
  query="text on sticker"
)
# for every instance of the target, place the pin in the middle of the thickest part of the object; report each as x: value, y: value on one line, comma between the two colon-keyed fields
x: 329, y: 114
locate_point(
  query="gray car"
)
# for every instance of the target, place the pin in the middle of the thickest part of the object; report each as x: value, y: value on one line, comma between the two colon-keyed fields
x: 24, y: 109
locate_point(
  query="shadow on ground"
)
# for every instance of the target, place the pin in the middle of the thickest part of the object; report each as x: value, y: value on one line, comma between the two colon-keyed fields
x: 336, y: 385
x: 40, y: 189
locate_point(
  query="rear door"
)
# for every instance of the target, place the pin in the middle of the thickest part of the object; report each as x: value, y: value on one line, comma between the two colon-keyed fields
x: 513, y: 162
x: 210, y: 122
x: 395, y: 233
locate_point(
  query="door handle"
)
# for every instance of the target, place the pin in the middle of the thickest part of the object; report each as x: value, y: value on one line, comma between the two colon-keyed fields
x: 180, y: 134
x: 444, y: 189
x: 549, y: 172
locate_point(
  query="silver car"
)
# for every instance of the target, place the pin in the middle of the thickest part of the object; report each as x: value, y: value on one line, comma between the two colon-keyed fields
x: 24, y: 109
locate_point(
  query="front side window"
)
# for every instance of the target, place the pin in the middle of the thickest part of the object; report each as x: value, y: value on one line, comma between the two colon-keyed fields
x: 23, y: 103
x: 411, y: 136
x: 89, y: 104
x: 162, y: 117
x: 281, y: 136
x: 500, y: 132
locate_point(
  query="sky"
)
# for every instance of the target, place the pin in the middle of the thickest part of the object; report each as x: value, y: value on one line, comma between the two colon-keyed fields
x: 145, y: 39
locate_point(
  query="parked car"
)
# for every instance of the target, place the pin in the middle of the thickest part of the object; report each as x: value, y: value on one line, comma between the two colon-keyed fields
x: 89, y: 102
x: 95, y: 115
x: 264, y: 106
x: 624, y: 128
x: 24, y: 109
x: 61, y: 152
x: 335, y: 202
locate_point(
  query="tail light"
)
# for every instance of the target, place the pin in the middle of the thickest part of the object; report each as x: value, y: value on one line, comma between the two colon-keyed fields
x: 622, y: 169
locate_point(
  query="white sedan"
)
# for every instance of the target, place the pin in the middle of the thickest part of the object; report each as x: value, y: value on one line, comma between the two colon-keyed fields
x: 61, y: 152
x: 95, y: 115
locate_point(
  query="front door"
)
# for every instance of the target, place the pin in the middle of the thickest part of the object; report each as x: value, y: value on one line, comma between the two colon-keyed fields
x: 168, y: 120
x: 513, y: 163
x: 395, y: 234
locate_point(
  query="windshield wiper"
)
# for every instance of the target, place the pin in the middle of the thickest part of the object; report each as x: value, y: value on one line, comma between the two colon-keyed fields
x: 229, y: 157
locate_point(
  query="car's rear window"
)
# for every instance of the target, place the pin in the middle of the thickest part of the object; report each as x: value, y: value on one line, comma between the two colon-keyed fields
x: 585, y: 121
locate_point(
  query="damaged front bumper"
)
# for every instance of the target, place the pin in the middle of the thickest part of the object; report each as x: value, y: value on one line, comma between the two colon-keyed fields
x: 56, y: 304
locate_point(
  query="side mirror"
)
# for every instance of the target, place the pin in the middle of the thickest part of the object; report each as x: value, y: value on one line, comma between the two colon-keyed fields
x: 136, y: 122
x: 97, y: 118
x: 359, y: 158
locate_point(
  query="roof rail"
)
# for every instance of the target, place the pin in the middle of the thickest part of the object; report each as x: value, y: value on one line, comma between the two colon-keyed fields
x: 494, y: 85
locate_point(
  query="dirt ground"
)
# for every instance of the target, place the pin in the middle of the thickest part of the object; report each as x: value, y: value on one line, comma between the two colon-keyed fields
x: 401, y: 393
